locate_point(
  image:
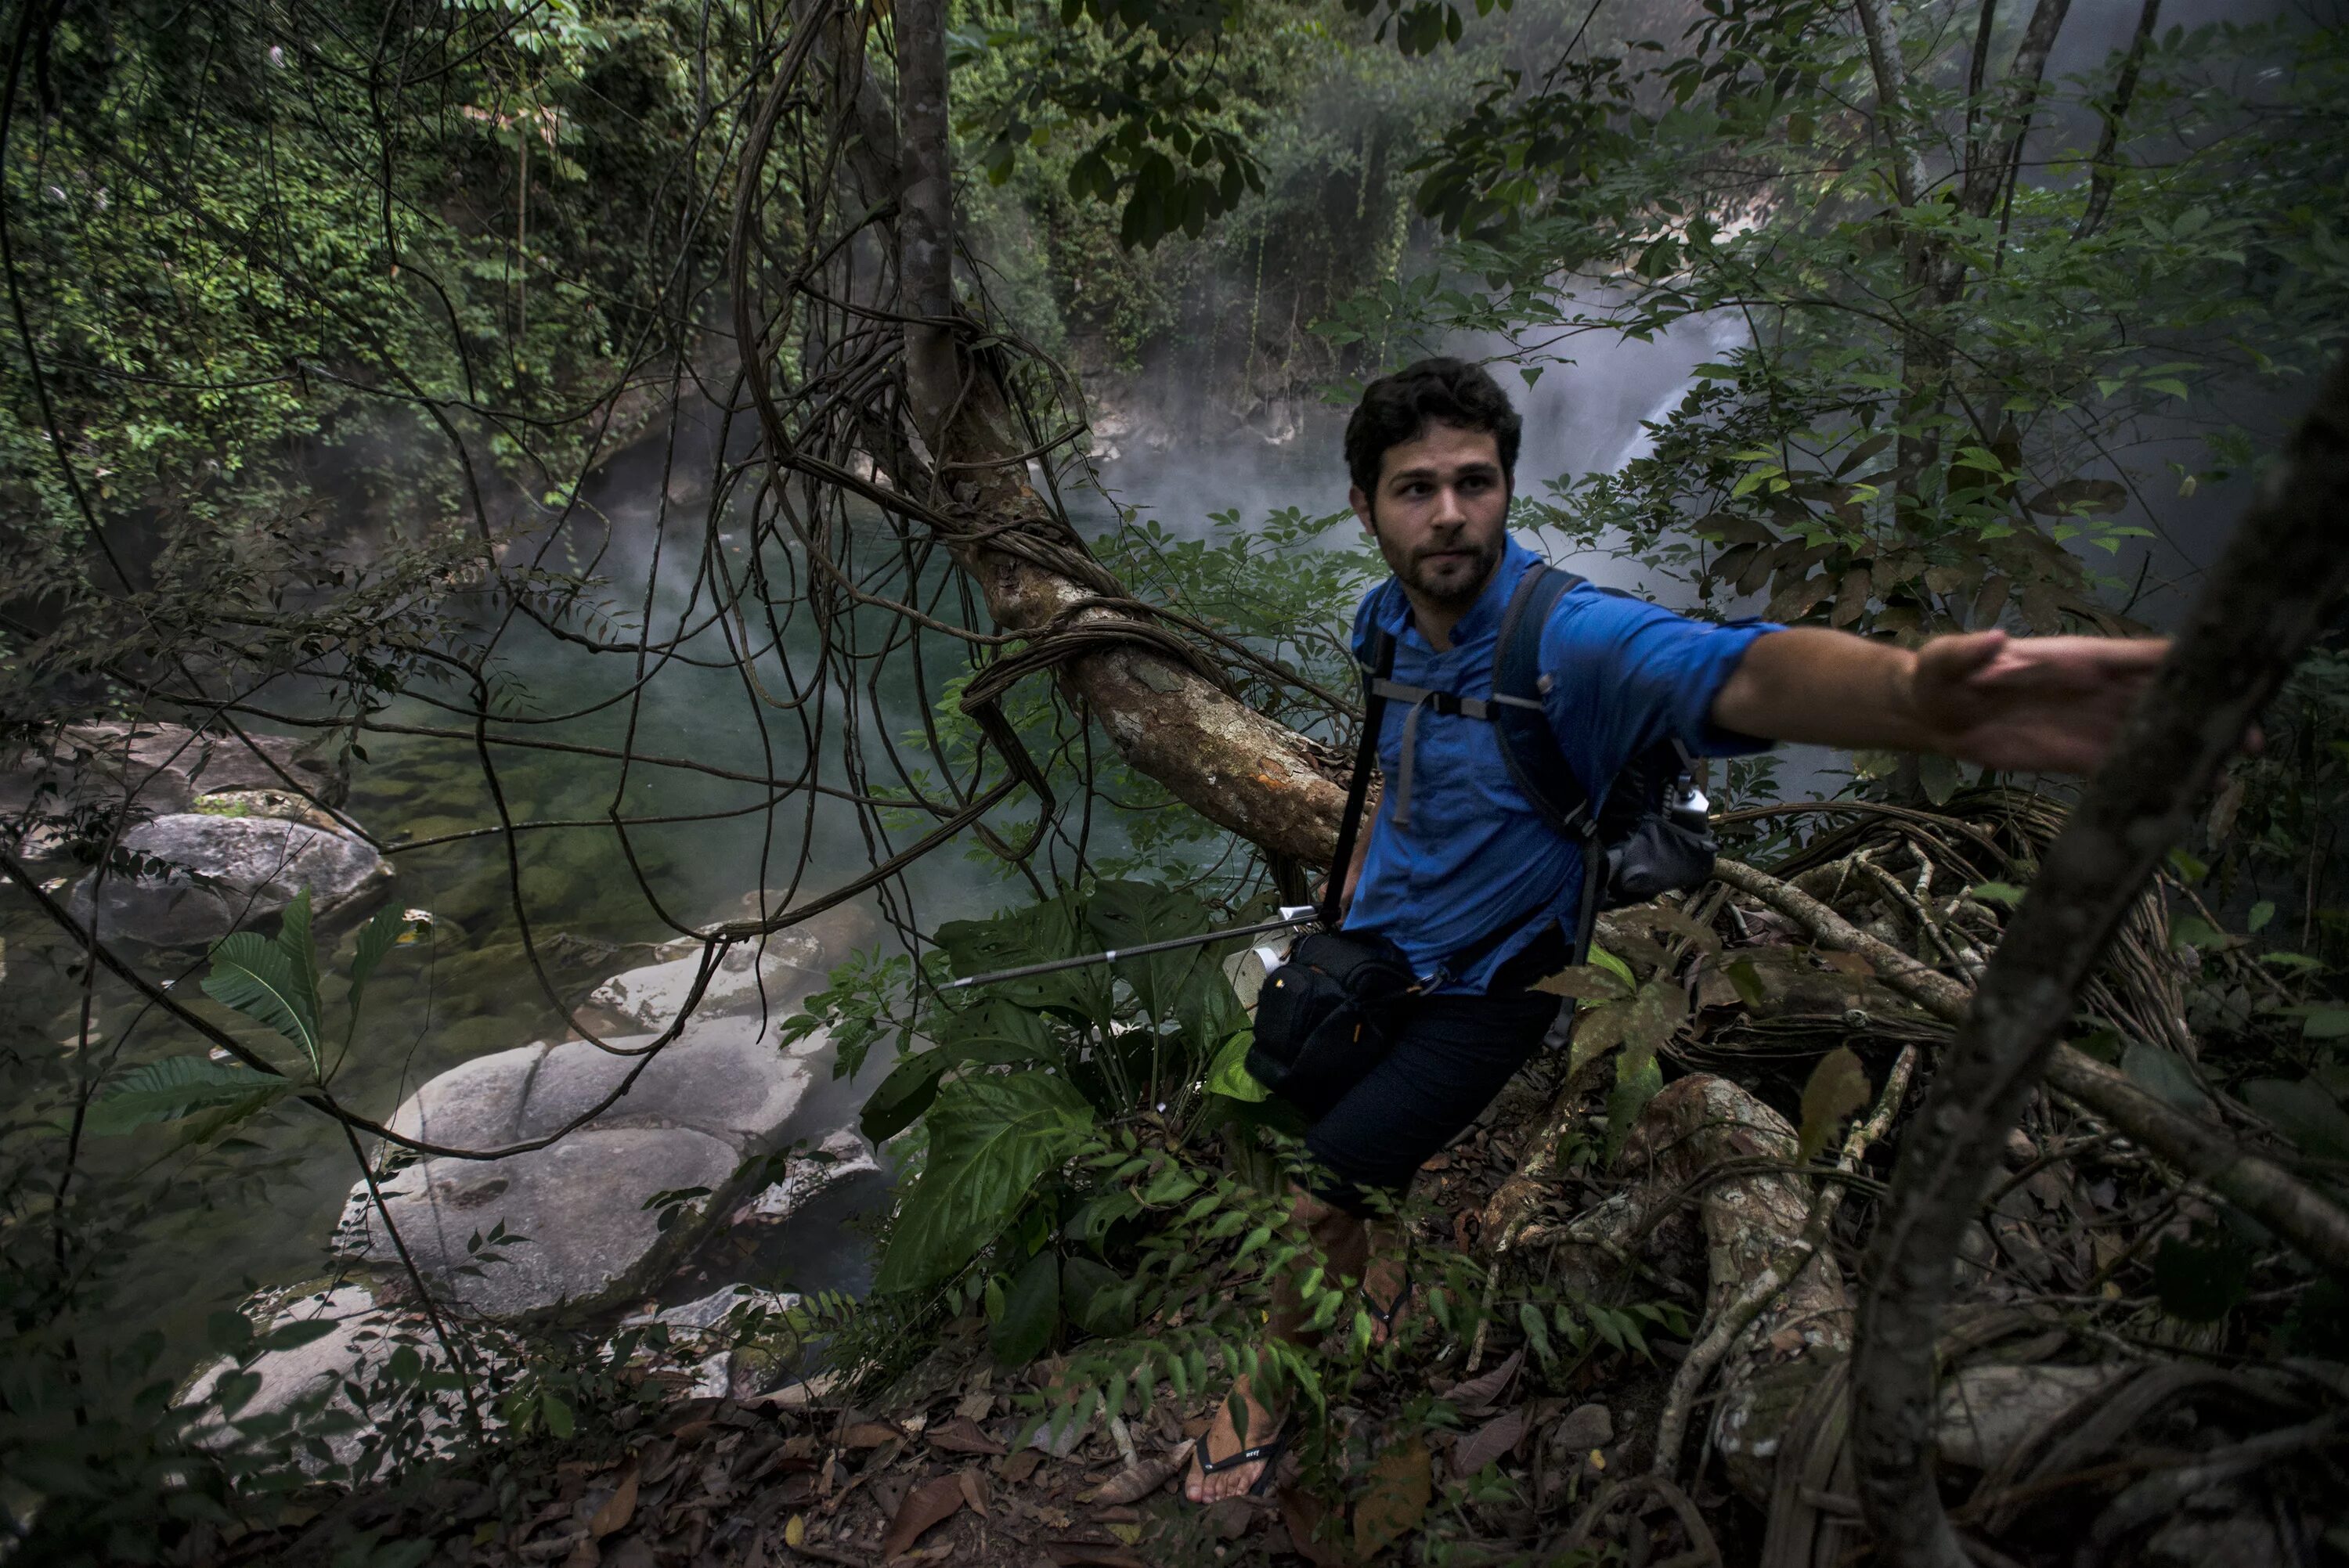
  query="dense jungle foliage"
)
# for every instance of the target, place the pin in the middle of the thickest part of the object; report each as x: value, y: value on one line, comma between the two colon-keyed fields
x: 327, y: 317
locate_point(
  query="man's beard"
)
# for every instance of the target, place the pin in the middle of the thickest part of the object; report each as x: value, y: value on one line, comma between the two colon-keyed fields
x: 1453, y: 582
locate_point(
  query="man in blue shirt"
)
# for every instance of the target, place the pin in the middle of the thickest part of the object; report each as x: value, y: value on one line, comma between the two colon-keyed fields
x: 1462, y: 872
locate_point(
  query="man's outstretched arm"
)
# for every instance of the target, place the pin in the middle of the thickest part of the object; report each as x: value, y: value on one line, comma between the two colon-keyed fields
x: 2014, y: 704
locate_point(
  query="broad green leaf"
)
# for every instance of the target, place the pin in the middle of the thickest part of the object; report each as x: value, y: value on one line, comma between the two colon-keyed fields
x: 1096, y: 1297
x: 301, y: 957
x: 174, y: 1087
x: 381, y: 935
x: 1996, y: 893
x: 1633, y: 1089
x: 1605, y: 960
x: 1837, y: 1087
x: 251, y: 974
x: 2303, y: 1112
x: 1035, y: 934
x: 991, y: 1137
x: 1229, y: 1075
x: 1588, y: 983
x: 2163, y: 1073
x: 1031, y: 1311
x: 991, y: 1033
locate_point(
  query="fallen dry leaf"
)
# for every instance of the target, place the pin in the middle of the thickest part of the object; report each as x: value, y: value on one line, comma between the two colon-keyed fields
x: 1133, y: 1485
x: 618, y: 1509
x: 930, y: 1504
x: 1396, y: 1498
x: 1487, y: 1443
x: 1480, y: 1394
x: 1303, y: 1514
x: 1019, y: 1466
x: 869, y: 1435
x: 962, y: 1436
x: 974, y: 1489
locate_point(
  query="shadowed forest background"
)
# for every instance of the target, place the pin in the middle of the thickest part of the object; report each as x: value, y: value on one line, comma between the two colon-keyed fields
x: 568, y: 564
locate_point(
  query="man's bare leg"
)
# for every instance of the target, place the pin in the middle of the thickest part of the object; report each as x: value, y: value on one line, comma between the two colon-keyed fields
x: 1345, y: 1242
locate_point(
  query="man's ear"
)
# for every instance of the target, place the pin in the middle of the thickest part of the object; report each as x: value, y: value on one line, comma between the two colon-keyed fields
x: 1361, y: 504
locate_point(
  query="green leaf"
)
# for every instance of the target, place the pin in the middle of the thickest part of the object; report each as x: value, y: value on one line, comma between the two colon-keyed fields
x: 2260, y: 913
x: 381, y: 935
x: 1837, y: 1087
x: 2303, y: 1112
x: 1587, y: 983
x: 301, y: 954
x: 253, y: 976
x: 556, y: 1414
x: 991, y: 1137
x: 991, y: 1033
x: 176, y: 1087
x: 2163, y: 1073
x: 1229, y: 1075
x: 1031, y: 1311
x: 1996, y: 893
x: 1635, y: 1083
x: 1096, y: 1298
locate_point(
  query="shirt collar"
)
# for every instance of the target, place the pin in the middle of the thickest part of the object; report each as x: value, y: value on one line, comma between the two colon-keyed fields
x: 1483, y: 617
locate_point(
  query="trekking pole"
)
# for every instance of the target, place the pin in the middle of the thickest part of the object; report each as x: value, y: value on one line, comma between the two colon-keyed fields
x: 1289, y: 919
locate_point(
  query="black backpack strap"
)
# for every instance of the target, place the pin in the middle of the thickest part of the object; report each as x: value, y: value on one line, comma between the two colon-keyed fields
x: 1366, y: 756
x: 1530, y: 746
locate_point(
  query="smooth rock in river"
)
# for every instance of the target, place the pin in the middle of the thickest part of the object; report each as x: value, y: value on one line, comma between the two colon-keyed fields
x: 251, y: 868
x: 717, y: 1097
x: 579, y: 1208
x: 157, y: 769
x: 712, y: 1352
x: 842, y: 1154
x: 304, y: 1383
x: 651, y: 997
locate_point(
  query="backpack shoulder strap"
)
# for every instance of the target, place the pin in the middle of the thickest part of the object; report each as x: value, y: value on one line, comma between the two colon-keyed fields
x: 1366, y: 752
x: 1527, y: 744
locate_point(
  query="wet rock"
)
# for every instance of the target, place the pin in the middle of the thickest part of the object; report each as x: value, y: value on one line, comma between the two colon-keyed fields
x: 585, y: 1206
x: 226, y: 872
x: 157, y: 769
x: 791, y: 966
x: 840, y: 1156
x: 308, y: 1385
x: 713, y: 1351
x: 696, y: 1111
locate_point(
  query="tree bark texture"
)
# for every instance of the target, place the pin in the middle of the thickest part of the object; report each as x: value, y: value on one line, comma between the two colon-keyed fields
x: 2268, y: 595
x: 1238, y: 769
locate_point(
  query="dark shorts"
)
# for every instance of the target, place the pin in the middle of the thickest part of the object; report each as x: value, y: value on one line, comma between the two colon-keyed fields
x: 1450, y: 1056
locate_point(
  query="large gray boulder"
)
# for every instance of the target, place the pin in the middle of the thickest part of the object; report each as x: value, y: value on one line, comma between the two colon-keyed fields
x: 717, y: 1097
x: 307, y: 1385
x: 153, y: 768
x: 225, y: 872
x: 790, y: 966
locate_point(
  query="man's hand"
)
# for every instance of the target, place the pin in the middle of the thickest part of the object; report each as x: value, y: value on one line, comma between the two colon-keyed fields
x: 2015, y: 704
x: 2030, y: 704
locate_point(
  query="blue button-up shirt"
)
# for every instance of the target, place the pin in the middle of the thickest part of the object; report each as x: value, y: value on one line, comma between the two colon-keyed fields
x: 1477, y: 858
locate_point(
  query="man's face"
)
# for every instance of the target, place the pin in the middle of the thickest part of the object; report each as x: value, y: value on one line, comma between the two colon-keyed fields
x: 1440, y: 514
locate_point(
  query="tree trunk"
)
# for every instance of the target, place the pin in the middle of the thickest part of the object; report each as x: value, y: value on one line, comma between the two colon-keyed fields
x: 2280, y: 575
x: 1238, y: 769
